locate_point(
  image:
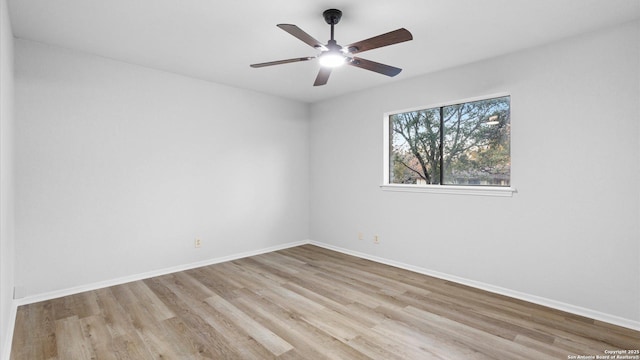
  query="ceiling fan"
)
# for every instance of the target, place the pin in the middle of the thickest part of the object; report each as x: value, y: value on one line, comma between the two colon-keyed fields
x: 333, y: 55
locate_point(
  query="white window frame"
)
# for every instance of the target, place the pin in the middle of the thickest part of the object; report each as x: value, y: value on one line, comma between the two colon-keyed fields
x: 436, y: 189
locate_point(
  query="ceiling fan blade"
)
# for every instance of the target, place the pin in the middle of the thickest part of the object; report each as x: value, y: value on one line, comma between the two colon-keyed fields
x: 390, y: 38
x: 282, y: 62
x: 323, y: 76
x: 374, y: 66
x: 300, y: 34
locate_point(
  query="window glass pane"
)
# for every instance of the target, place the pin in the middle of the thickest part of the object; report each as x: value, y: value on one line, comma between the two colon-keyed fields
x: 477, y: 143
x: 414, y: 143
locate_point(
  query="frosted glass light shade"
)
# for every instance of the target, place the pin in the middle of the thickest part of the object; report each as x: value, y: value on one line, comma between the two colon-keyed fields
x: 332, y: 59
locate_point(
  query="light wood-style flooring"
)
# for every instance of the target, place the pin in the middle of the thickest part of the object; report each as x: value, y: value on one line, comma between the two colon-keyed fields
x: 303, y: 303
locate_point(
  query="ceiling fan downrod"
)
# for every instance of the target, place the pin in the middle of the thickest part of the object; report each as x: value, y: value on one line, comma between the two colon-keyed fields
x: 332, y: 17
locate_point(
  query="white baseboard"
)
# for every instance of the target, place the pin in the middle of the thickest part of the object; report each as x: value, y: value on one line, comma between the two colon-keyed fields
x: 8, y: 337
x: 558, y: 305
x: 126, y: 279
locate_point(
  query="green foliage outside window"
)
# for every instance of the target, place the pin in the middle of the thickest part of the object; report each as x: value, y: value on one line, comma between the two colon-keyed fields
x: 461, y: 144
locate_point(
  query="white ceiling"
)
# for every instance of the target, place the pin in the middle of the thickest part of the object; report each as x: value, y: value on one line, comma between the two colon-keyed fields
x: 216, y: 40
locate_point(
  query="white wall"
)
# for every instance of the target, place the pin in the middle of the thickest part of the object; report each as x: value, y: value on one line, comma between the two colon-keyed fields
x: 571, y: 233
x: 119, y: 168
x: 7, y: 240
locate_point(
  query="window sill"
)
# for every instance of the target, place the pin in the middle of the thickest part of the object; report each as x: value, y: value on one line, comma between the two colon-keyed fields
x: 452, y: 189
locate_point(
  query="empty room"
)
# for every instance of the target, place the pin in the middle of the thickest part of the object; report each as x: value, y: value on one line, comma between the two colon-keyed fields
x: 319, y: 179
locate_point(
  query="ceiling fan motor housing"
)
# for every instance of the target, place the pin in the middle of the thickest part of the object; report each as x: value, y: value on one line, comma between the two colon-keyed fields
x: 332, y: 16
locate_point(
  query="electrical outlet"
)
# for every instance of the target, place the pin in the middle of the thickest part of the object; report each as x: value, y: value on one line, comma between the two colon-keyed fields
x: 198, y: 242
x: 360, y: 236
x: 376, y: 239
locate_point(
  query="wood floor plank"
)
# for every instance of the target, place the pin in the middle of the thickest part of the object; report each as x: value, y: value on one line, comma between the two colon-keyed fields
x: 151, y: 301
x: 35, y: 332
x: 549, y: 349
x: 114, y: 314
x: 474, y: 318
x: 95, y: 329
x: 186, y: 340
x: 276, y: 345
x: 304, y: 302
x: 206, y: 340
x: 282, y: 323
x: 151, y: 332
x: 226, y: 331
x: 71, y: 342
x: 376, y: 348
x: 418, y: 344
x: 292, y: 327
x: 484, y: 342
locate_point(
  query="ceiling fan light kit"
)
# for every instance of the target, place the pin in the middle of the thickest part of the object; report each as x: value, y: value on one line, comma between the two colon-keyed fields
x: 333, y: 55
x: 332, y: 59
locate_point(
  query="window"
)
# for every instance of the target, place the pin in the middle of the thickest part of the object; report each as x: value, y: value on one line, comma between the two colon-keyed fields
x: 464, y: 144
